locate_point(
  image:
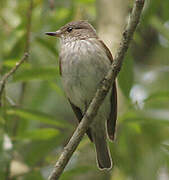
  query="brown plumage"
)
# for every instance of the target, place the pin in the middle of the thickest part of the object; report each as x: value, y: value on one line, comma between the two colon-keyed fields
x: 84, y: 61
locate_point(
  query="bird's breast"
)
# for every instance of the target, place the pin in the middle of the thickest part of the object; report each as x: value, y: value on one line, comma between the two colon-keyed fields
x: 84, y: 65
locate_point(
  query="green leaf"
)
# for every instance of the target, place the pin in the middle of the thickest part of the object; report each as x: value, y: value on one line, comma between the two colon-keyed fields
x: 159, y: 25
x: 10, y: 63
x: 12, y: 41
x: 74, y: 172
x: 37, y: 116
x: 41, y: 149
x: 166, y: 146
x: 48, y: 45
x: 39, y: 134
x: 150, y: 10
x: 85, y: 1
x: 143, y: 117
x: 17, y: 48
x: 42, y: 73
x: 2, y: 121
x: 33, y: 175
x: 125, y: 78
x: 56, y: 87
x: 162, y: 95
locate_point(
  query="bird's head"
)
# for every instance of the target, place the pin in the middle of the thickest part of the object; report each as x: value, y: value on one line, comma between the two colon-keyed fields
x: 74, y: 31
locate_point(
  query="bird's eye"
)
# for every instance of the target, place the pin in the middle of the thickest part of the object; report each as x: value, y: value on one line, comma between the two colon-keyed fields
x: 69, y: 29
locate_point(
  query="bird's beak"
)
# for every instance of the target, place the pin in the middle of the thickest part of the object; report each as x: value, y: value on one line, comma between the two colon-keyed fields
x: 56, y: 33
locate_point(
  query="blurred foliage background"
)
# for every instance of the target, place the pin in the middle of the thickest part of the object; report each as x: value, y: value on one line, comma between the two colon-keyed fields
x: 36, y: 120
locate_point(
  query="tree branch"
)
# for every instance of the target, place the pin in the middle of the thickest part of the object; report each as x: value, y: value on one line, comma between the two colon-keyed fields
x: 100, y: 94
x: 7, y: 75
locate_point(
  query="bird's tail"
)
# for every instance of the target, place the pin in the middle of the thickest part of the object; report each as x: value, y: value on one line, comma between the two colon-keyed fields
x: 102, y: 150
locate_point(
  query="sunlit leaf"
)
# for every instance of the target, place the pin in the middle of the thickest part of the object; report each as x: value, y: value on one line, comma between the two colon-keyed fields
x: 39, y: 134
x: 62, y: 13
x: 135, y: 126
x: 41, y: 73
x: 10, y: 63
x: 85, y: 1
x: 37, y: 116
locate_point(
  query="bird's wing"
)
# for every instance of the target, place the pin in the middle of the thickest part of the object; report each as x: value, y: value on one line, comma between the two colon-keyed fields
x: 60, y: 66
x: 111, y: 121
x: 107, y: 51
x: 79, y: 116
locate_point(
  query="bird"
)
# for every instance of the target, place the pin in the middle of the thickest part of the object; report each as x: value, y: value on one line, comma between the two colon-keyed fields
x: 84, y: 60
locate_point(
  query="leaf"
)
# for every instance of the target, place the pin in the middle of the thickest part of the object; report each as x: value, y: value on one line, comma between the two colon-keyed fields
x: 33, y: 175
x: 162, y: 95
x: 39, y: 134
x: 42, y: 73
x: 13, y: 40
x: 166, y: 146
x: 56, y: 87
x: 37, y: 116
x: 18, y: 48
x: 48, y: 45
x: 39, y: 150
x: 74, y: 172
x: 143, y: 117
x: 125, y: 78
x: 151, y: 9
x: 2, y: 121
x: 159, y: 25
x: 85, y: 1
x: 10, y: 63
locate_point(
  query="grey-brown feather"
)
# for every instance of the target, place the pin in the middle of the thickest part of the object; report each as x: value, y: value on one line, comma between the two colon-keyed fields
x: 79, y: 117
x: 84, y: 63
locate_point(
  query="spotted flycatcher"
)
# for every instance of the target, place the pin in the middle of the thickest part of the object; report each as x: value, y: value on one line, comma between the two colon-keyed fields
x: 84, y: 62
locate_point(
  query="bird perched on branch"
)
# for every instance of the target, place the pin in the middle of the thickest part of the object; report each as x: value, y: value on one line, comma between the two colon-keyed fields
x: 84, y: 62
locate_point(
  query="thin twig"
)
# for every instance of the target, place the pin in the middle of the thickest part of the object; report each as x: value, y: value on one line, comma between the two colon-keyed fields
x: 7, y: 75
x: 100, y: 94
